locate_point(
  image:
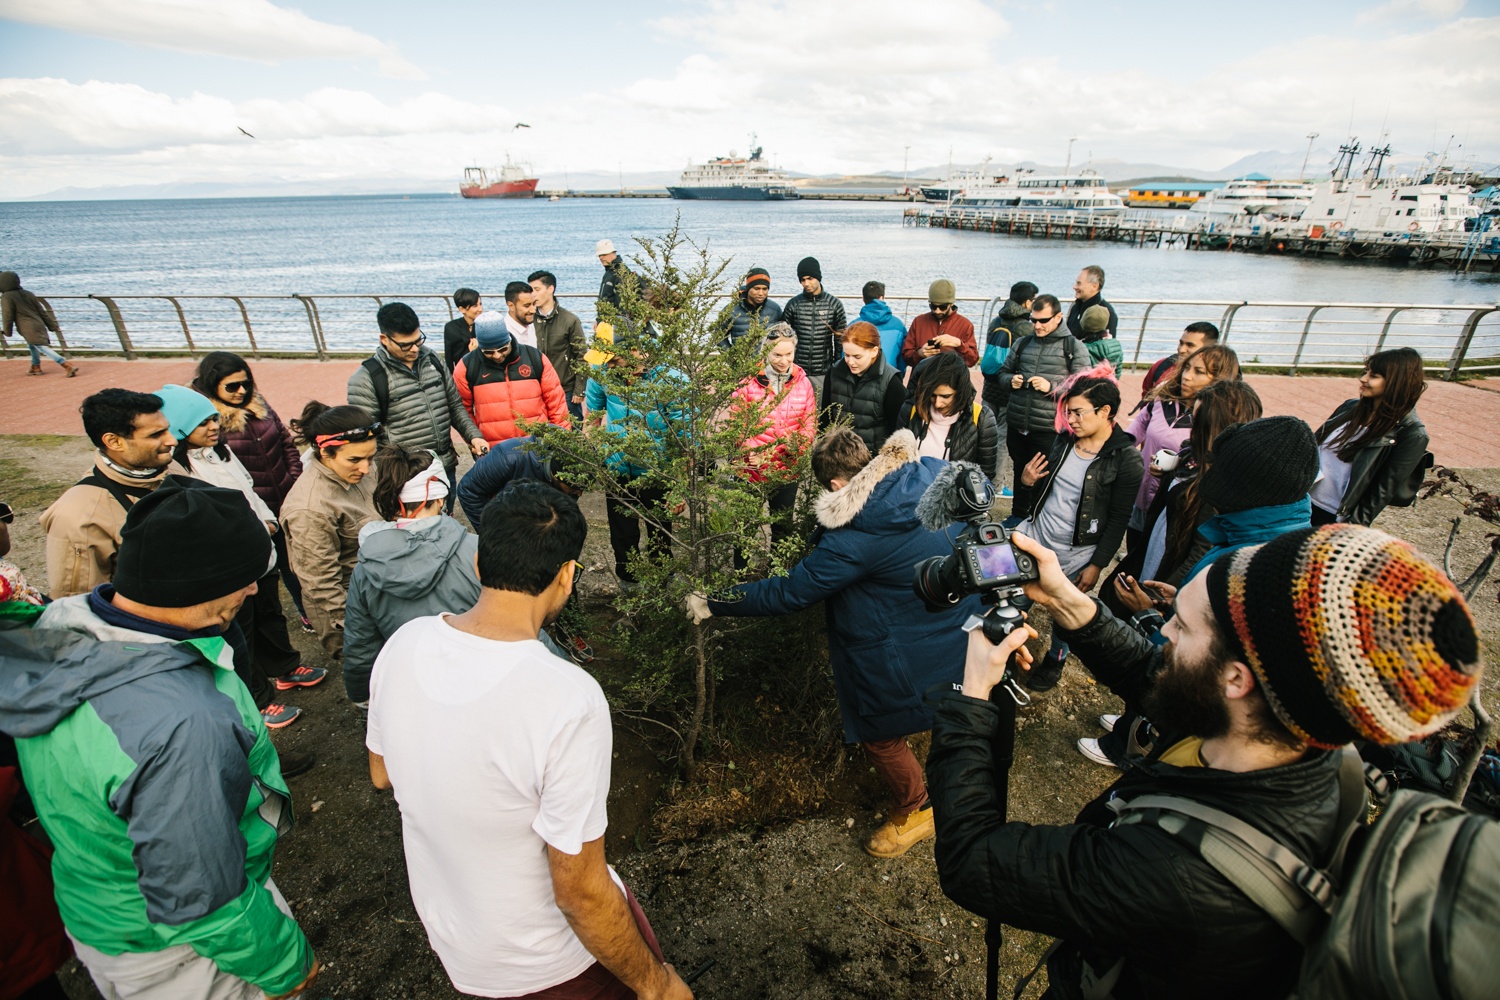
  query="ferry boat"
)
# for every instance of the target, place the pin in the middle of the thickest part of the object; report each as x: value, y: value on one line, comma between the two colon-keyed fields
x: 509, y: 181
x: 1438, y: 200
x: 1083, y: 193
x: 1170, y: 194
x: 729, y: 178
x: 959, y: 180
x: 1256, y: 194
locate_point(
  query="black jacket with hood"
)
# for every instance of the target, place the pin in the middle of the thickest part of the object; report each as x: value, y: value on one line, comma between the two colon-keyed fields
x: 1109, y: 489
x: 1385, y: 471
x: 1135, y: 891
x: 1010, y: 325
x: 973, y: 438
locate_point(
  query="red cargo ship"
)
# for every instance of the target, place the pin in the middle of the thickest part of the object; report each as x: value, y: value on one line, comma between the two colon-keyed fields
x: 509, y: 181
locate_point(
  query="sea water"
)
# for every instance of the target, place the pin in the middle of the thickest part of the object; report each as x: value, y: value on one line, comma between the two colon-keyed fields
x: 421, y: 247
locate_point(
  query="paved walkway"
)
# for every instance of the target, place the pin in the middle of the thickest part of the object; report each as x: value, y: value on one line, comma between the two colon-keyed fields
x: 1456, y: 415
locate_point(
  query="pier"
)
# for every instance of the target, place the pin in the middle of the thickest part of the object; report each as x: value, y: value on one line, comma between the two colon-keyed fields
x: 1462, y: 251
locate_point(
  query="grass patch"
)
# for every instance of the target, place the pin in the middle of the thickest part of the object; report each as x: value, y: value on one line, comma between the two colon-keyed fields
x: 24, y: 490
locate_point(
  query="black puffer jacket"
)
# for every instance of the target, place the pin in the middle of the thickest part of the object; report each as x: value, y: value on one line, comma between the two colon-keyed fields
x: 1054, y: 358
x: 1109, y: 489
x: 1383, y: 470
x: 976, y: 439
x: 609, y: 285
x: 741, y: 316
x: 871, y: 400
x: 818, y: 321
x: 1010, y: 325
x: 1133, y: 891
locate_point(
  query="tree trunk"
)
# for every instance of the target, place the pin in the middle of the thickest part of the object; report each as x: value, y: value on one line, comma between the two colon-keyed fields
x: 700, y: 697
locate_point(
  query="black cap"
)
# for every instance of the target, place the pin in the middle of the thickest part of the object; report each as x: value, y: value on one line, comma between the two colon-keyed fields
x: 809, y: 267
x: 1265, y: 463
x: 188, y: 543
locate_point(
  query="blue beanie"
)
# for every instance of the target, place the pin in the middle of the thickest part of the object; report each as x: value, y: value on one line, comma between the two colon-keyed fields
x: 491, y: 332
x: 184, y: 409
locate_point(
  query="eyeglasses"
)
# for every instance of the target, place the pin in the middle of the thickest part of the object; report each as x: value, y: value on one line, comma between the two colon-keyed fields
x: 1080, y: 413
x: 1044, y: 320
x: 7, y: 516
x: 406, y: 345
x: 354, y: 436
x: 935, y: 307
x: 235, y: 386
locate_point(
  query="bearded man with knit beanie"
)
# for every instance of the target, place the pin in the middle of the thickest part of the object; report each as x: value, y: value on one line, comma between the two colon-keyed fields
x: 1278, y: 656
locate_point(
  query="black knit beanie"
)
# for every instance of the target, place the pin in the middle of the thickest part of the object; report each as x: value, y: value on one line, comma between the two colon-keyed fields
x: 186, y: 544
x: 809, y: 267
x: 1352, y: 634
x: 1265, y: 463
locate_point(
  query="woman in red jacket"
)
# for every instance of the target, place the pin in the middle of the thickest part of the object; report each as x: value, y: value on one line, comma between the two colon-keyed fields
x: 783, y: 396
x: 503, y: 382
x: 259, y: 439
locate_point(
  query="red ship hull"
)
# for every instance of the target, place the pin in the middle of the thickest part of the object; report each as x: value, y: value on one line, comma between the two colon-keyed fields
x: 524, y: 188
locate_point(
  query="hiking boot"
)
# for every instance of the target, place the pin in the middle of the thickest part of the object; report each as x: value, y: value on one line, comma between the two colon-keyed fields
x: 1108, y: 722
x: 34, y: 370
x: 894, y: 839
x: 1047, y: 671
x: 277, y: 716
x: 70, y: 368
x: 1093, y: 751
x: 302, y: 677
x: 293, y: 764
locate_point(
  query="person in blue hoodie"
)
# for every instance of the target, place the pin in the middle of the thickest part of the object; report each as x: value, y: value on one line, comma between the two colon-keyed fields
x: 885, y: 648
x: 892, y: 330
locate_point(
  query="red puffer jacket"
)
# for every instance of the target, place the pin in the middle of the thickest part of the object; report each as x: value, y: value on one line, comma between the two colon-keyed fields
x: 263, y: 444
x: 790, y: 425
x: 527, y: 388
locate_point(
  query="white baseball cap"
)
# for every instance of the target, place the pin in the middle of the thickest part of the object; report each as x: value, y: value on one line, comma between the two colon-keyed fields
x: 603, y: 247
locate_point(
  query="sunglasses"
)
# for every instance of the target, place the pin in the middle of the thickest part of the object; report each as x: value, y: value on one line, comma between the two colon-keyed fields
x: 7, y: 516
x: 1045, y: 319
x: 941, y: 308
x: 354, y: 436
x: 235, y: 386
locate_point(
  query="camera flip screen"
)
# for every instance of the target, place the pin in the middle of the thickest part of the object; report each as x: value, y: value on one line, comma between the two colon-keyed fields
x: 996, y: 561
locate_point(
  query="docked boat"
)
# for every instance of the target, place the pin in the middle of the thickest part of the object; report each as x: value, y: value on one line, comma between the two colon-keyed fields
x: 1083, y: 193
x: 509, y: 181
x: 730, y: 178
x: 1170, y: 194
x: 1438, y: 199
x: 1256, y: 194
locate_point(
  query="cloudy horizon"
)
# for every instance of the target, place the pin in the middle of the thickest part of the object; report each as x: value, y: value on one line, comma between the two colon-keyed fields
x: 105, y: 93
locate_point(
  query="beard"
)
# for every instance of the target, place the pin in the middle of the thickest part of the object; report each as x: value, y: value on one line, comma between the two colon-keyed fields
x: 1187, y: 697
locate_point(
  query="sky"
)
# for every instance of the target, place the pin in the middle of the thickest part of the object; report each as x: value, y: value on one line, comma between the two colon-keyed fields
x: 101, y: 93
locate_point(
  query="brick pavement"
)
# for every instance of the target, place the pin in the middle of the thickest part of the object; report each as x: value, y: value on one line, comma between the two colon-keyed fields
x: 1456, y: 415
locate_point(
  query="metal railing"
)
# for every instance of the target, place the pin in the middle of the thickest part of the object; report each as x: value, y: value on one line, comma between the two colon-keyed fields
x: 1296, y: 336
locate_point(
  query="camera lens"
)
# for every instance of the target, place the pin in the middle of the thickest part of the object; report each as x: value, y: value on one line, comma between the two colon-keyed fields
x: 936, y: 581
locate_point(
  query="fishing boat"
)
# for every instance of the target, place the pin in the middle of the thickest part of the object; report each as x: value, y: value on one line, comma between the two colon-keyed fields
x: 1256, y: 194
x: 1438, y: 199
x: 730, y: 178
x: 1084, y: 193
x: 509, y: 181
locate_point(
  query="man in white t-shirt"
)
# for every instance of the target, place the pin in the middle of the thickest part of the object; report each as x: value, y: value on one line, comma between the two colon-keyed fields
x: 499, y: 755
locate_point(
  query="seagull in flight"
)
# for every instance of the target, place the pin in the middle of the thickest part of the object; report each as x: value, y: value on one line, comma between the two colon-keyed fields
x: 519, y: 125
x: 243, y: 132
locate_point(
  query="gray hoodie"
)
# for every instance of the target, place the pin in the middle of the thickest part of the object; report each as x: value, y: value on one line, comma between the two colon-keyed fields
x: 405, y: 573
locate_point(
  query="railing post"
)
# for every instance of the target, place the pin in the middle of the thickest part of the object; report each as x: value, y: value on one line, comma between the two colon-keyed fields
x: 1227, y: 319
x: 1461, y: 348
x: 249, y: 333
x: 182, y: 318
x: 61, y: 340
x: 1386, y: 328
x: 1302, y: 341
x: 313, y: 325
x: 1141, y: 337
x: 119, y: 322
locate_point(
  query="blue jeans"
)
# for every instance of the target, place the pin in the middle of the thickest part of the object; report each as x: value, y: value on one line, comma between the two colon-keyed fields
x: 39, y: 350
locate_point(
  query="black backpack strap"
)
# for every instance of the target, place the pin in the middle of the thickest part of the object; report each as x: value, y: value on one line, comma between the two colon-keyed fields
x: 125, y: 496
x: 380, y: 381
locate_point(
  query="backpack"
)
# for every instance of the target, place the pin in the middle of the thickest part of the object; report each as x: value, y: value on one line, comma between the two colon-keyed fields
x: 380, y: 381
x: 1411, y: 915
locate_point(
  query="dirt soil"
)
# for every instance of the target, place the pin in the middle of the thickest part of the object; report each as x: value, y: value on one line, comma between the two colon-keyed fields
x: 794, y: 909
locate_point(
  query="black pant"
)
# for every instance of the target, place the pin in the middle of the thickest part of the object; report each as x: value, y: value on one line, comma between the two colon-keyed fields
x: 269, y: 650
x: 781, y: 501
x: 625, y: 525
x: 1023, y: 447
x: 1321, y: 517
x: 284, y: 568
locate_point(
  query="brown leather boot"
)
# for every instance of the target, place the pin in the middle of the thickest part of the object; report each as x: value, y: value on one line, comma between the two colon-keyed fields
x: 894, y: 839
x: 35, y: 370
x: 70, y: 368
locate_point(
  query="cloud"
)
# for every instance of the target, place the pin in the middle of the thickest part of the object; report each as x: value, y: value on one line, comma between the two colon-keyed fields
x: 243, y: 29
x: 1440, y: 10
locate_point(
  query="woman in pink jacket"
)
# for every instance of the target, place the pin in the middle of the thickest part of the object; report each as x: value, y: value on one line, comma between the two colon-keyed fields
x: 1164, y: 420
x: 787, y: 407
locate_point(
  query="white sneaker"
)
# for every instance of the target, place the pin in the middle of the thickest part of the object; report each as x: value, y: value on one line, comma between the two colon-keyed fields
x: 1108, y: 722
x: 1090, y: 749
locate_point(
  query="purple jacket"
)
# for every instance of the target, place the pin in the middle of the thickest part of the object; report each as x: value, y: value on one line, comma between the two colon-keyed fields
x: 1154, y: 429
x: 263, y: 444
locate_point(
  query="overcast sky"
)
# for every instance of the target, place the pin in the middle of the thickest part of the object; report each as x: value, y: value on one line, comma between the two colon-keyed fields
x: 113, y: 92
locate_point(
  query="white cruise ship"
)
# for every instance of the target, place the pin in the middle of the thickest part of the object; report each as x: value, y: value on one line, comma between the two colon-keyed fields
x: 1084, y: 193
x: 1256, y: 195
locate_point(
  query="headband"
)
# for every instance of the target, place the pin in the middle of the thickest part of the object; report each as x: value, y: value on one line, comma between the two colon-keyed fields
x: 428, y: 485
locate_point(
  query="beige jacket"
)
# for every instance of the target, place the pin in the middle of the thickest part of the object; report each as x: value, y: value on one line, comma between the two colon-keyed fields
x: 322, y: 516
x: 83, y: 532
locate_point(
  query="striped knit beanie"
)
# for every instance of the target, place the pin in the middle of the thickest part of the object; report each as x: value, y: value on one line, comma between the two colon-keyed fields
x: 1352, y: 634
